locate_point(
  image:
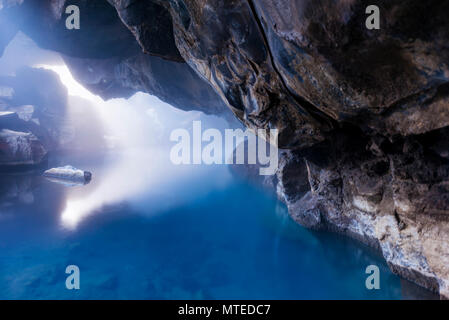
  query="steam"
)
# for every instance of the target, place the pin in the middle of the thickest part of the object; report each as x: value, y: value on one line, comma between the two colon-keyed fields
x: 137, y: 130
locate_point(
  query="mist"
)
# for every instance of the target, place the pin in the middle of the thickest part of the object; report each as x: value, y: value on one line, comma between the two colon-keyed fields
x: 130, y: 136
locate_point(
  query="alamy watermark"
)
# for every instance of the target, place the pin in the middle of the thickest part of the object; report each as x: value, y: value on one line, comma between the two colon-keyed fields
x: 72, y: 282
x: 373, y: 20
x: 373, y: 280
x: 72, y: 22
x: 219, y: 150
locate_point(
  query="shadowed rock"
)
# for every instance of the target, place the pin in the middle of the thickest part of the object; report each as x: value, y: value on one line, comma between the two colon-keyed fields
x: 20, y: 149
x: 392, y: 196
x: 105, y: 57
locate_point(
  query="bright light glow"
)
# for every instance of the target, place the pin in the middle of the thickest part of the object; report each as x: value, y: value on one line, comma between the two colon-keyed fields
x: 143, y: 168
x: 126, y: 177
x: 73, y: 87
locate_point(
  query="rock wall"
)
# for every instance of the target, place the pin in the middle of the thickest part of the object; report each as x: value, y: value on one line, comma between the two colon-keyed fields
x: 362, y: 114
x: 38, y: 101
x: 105, y: 56
x: 20, y: 149
x: 390, y: 195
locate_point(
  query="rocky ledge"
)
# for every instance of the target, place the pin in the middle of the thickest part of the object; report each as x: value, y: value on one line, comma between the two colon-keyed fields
x: 20, y: 149
x: 362, y: 114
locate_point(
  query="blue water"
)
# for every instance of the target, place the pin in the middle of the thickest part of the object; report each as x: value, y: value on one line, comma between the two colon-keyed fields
x: 224, y: 240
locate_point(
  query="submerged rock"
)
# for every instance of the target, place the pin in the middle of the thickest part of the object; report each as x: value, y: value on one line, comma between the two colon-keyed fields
x: 68, y: 174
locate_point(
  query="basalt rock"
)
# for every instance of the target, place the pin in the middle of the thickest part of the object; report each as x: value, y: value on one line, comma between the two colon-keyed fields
x: 236, y: 59
x: 326, y: 55
x: 312, y: 69
x: 392, y: 195
x: 151, y: 24
x: 35, y: 110
x: 104, y: 56
x: 174, y: 83
x: 45, y: 23
x: 20, y: 149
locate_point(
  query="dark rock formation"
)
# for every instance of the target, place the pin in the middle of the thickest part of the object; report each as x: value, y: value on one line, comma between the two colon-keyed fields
x: 362, y: 114
x: 152, y: 26
x: 20, y: 149
x: 174, y: 83
x: 40, y: 102
x: 312, y: 70
x: 326, y: 55
x: 236, y: 59
x: 44, y: 22
x: 35, y: 101
x: 390, y: 195
x: 104, y: 55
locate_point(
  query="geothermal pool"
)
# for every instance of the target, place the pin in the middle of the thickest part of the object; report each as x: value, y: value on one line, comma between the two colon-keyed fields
x: 170, y: 232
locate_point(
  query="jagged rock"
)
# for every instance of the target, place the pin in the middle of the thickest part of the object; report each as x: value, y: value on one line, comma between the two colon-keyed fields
x: 151, y: 24
x: 115, y: 65
x: 173, y: 83
x: 30, y: 86
x: 235, y: 59
x: 397, y: 202
x: 48, y: 118
x: 326, y: 55
x: 292, y: 64
x: 273, y: 60
x: 20, y: 148
x: 45, y: 23
x: 34, y: 109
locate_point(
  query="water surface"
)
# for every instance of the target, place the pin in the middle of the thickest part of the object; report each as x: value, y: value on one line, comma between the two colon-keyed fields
x: 165, y: 232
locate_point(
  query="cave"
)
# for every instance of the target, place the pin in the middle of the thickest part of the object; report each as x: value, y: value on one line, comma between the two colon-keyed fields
x: 362, y: 116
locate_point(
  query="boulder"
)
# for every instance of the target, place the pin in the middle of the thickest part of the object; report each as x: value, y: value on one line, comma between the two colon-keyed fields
x: 20, y: 149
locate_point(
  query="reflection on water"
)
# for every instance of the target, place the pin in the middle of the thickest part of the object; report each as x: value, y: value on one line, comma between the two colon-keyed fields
x: 138, y: 131
x: 157, y: 231
x: 133, y: 174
